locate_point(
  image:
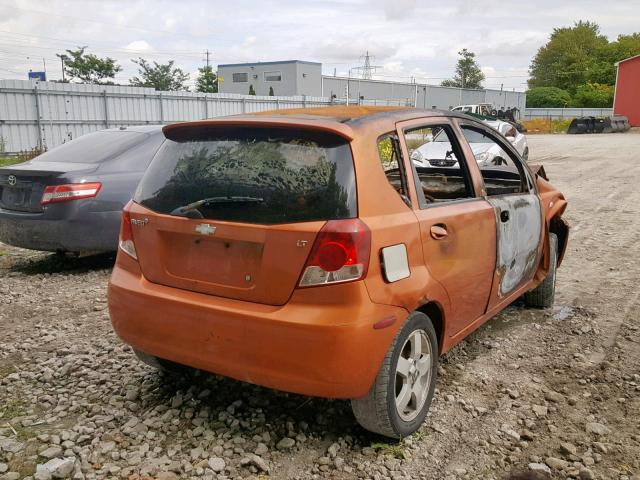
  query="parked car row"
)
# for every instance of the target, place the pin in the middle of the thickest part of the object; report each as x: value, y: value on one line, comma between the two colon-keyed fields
x: 310, y: 250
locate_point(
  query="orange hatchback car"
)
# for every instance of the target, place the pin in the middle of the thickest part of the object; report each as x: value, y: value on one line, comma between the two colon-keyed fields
x: 306, y: 251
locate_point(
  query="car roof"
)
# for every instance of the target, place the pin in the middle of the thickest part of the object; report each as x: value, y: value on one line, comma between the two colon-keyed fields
x: 138, y: 128
x: 341, y: 119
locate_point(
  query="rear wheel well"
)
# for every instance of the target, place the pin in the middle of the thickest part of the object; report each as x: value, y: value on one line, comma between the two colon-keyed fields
x: 434, y: 312
x: 559, y: 227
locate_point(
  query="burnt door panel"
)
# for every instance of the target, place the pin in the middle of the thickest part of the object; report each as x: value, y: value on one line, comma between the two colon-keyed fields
x: 519, y: 225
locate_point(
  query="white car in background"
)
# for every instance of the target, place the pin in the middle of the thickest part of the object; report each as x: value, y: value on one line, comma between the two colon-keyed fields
x: 438, y: 152
x: 517, y: 139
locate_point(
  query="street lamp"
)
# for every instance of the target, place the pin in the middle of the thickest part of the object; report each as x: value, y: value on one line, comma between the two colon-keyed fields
x: 62, y: 58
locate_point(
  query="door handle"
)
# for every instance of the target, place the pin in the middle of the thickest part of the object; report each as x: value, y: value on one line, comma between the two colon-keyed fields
x: 504, y: 216
x: 438, y: 232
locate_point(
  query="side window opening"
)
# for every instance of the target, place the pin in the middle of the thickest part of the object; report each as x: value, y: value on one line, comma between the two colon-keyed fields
x: 391, y: 161
x: 501, y: 172
x: 439, y: 174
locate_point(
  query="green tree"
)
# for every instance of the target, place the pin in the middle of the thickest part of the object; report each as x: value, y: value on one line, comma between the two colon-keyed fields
x: 594, y: 95
x: 468, y: 73
x: 271, y: 93
x: 207, y: 80
x: 159, y: 76
x: 89, y: 68
x: 251, y: 90
x: 547, y: 97
x: 568, y: 58
x: 604, y: 71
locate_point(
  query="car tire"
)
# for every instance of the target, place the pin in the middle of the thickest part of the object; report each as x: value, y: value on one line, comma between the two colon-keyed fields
x: 401, y: 394
x: 544, y: 294
x: 166, y: 366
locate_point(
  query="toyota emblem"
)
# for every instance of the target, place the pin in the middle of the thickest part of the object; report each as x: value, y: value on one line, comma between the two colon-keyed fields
x: 12, y: 180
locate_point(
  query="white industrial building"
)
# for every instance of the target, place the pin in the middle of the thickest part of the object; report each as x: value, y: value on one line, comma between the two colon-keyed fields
x: 297, y: 77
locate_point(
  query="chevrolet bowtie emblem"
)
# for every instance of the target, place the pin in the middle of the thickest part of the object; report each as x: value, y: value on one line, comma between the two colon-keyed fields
x: 205, y: 229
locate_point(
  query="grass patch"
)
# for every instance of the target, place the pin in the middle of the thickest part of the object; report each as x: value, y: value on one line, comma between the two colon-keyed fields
x: 6, y: 161
x: 396, y: 450
x: 546, y: 125
x: 12, y: 409
x: 7, y: 369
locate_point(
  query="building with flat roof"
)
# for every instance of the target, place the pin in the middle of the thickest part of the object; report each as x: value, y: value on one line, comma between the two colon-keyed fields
x: 301, y: 78
x: 286, y: 78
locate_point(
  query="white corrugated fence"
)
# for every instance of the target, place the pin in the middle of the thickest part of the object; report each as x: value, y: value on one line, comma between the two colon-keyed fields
x: 46, y: 114
x: 565, y: 113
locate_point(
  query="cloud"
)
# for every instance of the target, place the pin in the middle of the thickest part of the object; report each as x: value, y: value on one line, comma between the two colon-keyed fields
x: 399, y: 9
x: 350, y: 50
x: 138, y: 46
x: 408, y: 37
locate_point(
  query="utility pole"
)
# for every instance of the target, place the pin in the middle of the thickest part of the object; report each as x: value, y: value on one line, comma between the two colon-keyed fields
x: 206, y: 59
x: 62, y: 58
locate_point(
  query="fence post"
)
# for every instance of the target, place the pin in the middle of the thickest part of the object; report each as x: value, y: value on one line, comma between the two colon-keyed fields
x: 161, y: 110
x: 277, y: 104
x: 206, y: 107
x: 38, y: 122
x: 244, y: 105
x: 106, y: 109
x: 304, y: 101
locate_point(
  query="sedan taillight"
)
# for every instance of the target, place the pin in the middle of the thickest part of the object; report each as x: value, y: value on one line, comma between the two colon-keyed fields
x: 70, y: 191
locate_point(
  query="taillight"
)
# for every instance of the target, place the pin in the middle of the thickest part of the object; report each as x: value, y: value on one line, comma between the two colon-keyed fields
x: 125, y: 241
x: 339, y: 254
x: 70, y: 191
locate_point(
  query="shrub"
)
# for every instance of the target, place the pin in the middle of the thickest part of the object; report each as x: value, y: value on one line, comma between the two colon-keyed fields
x: 547, y: 97
x: 594, y: 95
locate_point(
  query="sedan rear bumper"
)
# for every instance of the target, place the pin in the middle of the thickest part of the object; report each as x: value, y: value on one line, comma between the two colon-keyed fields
x: 321, y: 343
x: 92, y: 231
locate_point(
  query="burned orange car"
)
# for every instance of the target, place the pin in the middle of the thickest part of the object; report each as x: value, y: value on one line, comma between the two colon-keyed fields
x: 304, y: 250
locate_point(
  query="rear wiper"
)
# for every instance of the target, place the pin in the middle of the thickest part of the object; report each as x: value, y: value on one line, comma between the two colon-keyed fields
x: 207, y: 201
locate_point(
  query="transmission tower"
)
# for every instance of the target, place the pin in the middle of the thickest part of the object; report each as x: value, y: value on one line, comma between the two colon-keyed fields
x: 366, y: 69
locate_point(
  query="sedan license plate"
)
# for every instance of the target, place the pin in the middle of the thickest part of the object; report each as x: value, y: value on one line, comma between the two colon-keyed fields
x: 13, y: 196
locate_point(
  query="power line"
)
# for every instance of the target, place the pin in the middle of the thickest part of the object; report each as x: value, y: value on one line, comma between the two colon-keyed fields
x: 120, y: 26
x: 109, y: 46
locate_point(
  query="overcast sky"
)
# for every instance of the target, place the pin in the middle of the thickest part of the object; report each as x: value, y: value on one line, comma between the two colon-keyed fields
x: 407, y: 38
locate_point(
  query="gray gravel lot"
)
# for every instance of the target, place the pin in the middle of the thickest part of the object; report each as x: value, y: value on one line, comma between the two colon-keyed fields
x: 532, y: 394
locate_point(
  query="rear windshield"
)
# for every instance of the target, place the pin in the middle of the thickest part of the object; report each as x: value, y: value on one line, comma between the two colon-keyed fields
x: 93, y: 147
x: 252, y: 175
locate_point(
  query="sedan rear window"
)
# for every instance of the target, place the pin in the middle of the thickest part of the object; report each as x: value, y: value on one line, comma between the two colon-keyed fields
x: 93, y: 147
x: 251, y: 175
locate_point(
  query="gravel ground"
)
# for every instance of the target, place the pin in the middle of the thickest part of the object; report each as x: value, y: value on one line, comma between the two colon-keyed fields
x: 533, y: 394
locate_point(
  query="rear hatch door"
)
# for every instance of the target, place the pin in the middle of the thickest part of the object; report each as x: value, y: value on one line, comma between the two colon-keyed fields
x: 234, y: 211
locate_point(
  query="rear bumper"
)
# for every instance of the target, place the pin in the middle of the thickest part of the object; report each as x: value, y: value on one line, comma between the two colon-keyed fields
x: 90, y: 231
x: 321, y: 343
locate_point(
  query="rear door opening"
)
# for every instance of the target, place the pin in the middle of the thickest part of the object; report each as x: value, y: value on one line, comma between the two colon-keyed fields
x: 238, y: 208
